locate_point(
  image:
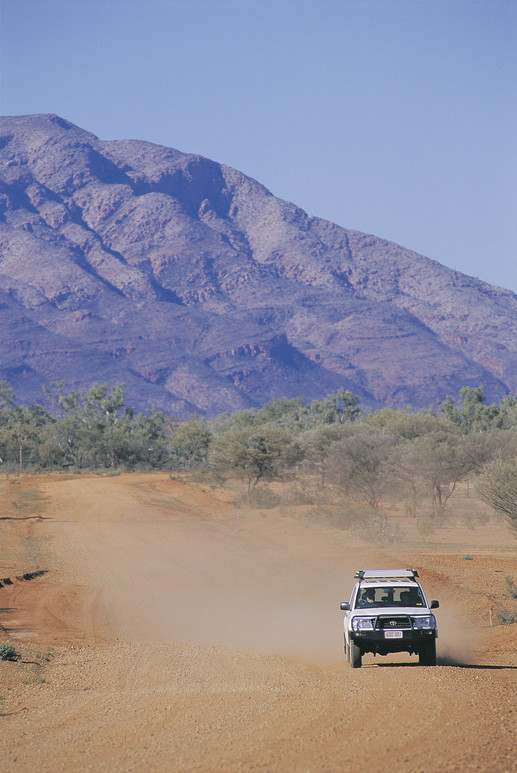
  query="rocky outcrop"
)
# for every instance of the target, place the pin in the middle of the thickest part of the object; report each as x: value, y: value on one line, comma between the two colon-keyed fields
x: 194, y: 285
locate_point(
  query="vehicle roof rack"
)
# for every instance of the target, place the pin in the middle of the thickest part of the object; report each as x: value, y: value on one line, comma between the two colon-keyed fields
x: 386, y: 574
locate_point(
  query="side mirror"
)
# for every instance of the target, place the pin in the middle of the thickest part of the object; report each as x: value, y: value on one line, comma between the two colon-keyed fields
x: 345, y: 606
x: 434, y: 604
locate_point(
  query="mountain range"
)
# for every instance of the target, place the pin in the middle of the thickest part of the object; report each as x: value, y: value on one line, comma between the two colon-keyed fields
x: 126, y: 261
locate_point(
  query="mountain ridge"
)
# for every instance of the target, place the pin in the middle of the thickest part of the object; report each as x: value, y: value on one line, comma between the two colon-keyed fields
x: 125, y: 261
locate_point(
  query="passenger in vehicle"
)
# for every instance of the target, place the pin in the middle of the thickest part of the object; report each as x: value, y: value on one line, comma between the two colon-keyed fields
x: 411, y: 598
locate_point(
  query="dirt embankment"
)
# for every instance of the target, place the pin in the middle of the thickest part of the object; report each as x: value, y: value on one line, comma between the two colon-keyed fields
x: 174, y: 632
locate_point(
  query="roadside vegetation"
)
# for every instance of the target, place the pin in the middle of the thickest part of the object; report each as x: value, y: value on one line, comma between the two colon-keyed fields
x: 8, y: 652
x: 332, y: 452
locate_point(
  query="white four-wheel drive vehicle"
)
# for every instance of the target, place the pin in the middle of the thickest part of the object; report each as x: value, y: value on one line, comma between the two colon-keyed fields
x: 388, y: 612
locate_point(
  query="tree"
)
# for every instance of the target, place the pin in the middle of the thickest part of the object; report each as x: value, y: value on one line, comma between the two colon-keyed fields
x: 470, y: 412
x: 291, y: 414
x: 317, y: 448
x: 255, y: 453
x: 109, y: 433
x: 143, y: 441
x: 480, y: 448
x: 20, y: 430
x: 91, y: 429
x: 359, y: 465
x: 405, y: 424
x: 6, y: 396
x: 340, y: 407
x: 405, y: 470
x: 94, y: 429
x: 190, y: 442
x: 433, y: 463
x: 50, y: 453
x: 497, y: 485
x: 508, y: 408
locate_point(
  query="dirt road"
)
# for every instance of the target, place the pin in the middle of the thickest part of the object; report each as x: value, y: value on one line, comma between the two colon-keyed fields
x: 175, y: 632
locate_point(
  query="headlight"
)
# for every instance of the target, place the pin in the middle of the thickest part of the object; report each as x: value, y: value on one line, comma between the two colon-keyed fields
x: 421, y: 623
x: 362, y: 623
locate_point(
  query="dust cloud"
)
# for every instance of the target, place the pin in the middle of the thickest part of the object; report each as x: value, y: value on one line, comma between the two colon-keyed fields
x: 239, y: 588
x: 458, y: 638
x: 259, y: 584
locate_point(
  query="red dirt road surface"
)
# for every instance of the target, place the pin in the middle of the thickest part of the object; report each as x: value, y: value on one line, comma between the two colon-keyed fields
x: 173, y: 631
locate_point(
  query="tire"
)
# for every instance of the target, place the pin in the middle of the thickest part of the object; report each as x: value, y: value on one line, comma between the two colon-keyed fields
x: 347, y: 656
x: 427, y: 655
x: 355, y: 656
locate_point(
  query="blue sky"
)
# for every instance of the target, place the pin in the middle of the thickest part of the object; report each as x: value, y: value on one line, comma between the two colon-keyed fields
x: 393, y: 117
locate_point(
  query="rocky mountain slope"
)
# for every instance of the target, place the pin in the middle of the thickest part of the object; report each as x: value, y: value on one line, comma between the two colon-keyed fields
x: 194, y: 285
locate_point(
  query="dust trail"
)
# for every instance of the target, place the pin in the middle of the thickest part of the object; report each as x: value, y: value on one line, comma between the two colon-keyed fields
x: 458, y: 639
x: 211, y: 588
x: 260, y: 582
x: 275, y: 591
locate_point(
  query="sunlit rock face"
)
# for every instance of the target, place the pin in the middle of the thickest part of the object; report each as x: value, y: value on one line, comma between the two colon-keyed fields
x: 124, y: 261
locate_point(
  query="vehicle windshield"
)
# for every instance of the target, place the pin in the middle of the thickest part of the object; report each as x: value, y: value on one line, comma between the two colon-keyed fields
x: 389, y: 596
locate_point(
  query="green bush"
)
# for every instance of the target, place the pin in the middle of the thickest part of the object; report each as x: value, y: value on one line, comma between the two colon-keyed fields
x: 7, y: 652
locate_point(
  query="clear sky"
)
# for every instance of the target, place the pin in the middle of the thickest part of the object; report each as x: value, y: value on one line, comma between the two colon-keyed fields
x: 393, y: 117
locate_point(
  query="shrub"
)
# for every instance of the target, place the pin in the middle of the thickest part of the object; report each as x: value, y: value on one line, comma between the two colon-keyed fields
x: 505, y: 617
x: 376, y: 528
x: 262, y: 496
x: 511, y: 585
x: 299, y: 494
x: 425, y: 527
x: 339, y: 515
x: 7, y: 652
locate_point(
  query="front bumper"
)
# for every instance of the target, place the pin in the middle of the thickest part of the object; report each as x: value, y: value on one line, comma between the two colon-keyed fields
x: 384, y: 641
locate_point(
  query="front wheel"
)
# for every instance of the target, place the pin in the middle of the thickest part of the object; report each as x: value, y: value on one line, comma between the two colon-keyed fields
x: 355, y: 657
x: 427, y: 655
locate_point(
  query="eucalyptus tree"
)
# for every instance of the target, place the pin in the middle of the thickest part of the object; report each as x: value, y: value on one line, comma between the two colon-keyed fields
x: 497, y: 485
x: 318, y: 444
x: 343, y: 406
x: 255, y: 453
x: 190, y: 442
x: 20, y: 433
x: 359, y: 465
x: 96, y: 429
x: 470, y: 413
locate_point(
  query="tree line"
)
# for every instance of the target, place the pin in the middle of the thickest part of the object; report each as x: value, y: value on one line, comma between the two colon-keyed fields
x: 418, y: 457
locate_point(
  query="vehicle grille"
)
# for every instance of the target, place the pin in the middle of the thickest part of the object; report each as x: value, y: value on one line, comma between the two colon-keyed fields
x: 392, y: 621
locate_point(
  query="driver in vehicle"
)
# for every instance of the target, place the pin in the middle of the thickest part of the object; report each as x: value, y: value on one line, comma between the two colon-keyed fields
x: 367, y: 598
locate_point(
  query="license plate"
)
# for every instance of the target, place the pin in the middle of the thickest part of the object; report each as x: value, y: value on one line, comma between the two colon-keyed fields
x: 393, y: 634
